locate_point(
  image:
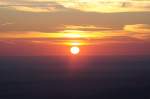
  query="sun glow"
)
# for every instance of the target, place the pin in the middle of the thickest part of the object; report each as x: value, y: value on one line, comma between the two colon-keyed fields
x: 74, y: 50
x: 71, y: 35
x: 75, y: 43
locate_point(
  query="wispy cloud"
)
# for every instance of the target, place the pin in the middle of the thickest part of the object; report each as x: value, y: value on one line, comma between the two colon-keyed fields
x: 6, y: 24
x: 135, y: 31
x: 86, y: 28
x: 139, y: 30
x: 31, y: 6
x: 103, y: 6
x: 108, y: 6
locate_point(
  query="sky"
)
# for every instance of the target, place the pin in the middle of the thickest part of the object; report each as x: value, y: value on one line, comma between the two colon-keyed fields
x: 47, y: 27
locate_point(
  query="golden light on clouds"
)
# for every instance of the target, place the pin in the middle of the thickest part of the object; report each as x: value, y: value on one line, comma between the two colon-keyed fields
x: 79, y: 34
x: 140, y: 31
x: 34, y: 9
x: 140, y: 28
x: 103, y: 6
x: 86, y: 27
x: 52, y: 35
x: 69, y: 34
x: 74, y: 43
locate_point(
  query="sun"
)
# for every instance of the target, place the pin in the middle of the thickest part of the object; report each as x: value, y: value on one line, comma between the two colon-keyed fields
x: 74, y: 50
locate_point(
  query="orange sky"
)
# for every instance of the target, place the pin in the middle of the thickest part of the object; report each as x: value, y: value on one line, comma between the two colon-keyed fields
x: 51, y: 27
x: 41, y: 47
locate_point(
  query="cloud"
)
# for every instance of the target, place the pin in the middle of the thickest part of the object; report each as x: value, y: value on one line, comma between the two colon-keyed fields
x: 136, y: 32
x: 31, y: 6
x: 139, y: 30
x: 34, y: 9
x: 108, y: 6
x: 102, y: 6
x: 6, y: 24
x: 86, y: 28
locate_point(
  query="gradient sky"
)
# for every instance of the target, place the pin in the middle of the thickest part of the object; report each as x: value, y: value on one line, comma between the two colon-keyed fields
x: 41, y: 27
